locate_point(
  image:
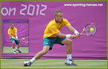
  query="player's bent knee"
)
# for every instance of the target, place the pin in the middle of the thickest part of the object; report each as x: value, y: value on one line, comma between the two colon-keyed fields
x: 69, y: 41
x: 13, y: 42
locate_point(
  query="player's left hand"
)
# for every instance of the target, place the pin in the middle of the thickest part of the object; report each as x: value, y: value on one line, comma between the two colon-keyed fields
x: 76, y: 36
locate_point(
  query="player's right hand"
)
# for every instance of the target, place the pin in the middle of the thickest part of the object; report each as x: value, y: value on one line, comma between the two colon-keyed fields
x: 78, y: 35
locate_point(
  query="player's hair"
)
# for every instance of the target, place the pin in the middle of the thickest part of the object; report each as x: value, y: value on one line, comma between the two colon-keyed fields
x: 58, y: 11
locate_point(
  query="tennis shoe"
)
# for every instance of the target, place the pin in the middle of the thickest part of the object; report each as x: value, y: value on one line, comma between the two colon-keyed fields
x: 70, y: 63
x: 27, y: 63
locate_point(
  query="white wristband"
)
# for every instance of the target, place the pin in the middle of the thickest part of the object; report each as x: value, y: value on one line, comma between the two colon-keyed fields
x: 76, y: 32
x: 68, y: 36
x: 13, y: 37
x: 16, y: 37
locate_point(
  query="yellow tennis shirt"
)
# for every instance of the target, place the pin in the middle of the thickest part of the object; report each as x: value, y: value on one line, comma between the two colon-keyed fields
x: 12, y: 32
x: 53, y: 28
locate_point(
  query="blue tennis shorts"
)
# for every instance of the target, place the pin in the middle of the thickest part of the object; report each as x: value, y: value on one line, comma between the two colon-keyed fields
x: 49, y: 41
x: 16, y: 41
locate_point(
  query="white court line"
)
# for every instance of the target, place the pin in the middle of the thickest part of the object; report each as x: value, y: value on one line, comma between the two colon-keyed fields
x: 51, y: 62
x: 36, y: 64
x: 55, y: 67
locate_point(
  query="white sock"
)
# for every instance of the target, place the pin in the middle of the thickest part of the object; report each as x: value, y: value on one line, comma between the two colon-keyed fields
x: 69, y: 56
x: 14, y: 49
x: 32, y: 60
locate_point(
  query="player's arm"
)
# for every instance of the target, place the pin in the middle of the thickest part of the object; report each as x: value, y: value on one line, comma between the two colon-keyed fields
x: 67, y: 24
x: 11, y: 36
x: 66, y: 35
x: 74, y: 30
x: 56, y: 32
x: 16, y: 34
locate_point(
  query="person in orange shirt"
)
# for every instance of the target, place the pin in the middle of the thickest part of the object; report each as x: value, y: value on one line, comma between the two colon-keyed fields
x: 12, y: 32
x: 52, y: 35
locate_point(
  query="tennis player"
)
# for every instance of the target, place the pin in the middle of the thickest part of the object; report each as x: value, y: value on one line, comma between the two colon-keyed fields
x: 52, y: 35
x: 12, y: 31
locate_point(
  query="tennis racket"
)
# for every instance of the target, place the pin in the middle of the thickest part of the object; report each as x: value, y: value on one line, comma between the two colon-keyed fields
x: 89, y: 30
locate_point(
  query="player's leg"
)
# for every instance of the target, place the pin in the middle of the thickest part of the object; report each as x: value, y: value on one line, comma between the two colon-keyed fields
x: 18, y: 49
x: 13, y: 45
x: 38, y: 55
x: 68, y: 44
x: 42, y: 52
x: 18, y: 46
x: 47, y: 45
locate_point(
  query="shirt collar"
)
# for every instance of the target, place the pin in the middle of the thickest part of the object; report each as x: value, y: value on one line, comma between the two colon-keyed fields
x: 12, y: 29
x: 57, y: 21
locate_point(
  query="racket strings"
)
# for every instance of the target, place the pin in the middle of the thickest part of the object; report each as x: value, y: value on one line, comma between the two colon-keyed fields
x: 86, y: 30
